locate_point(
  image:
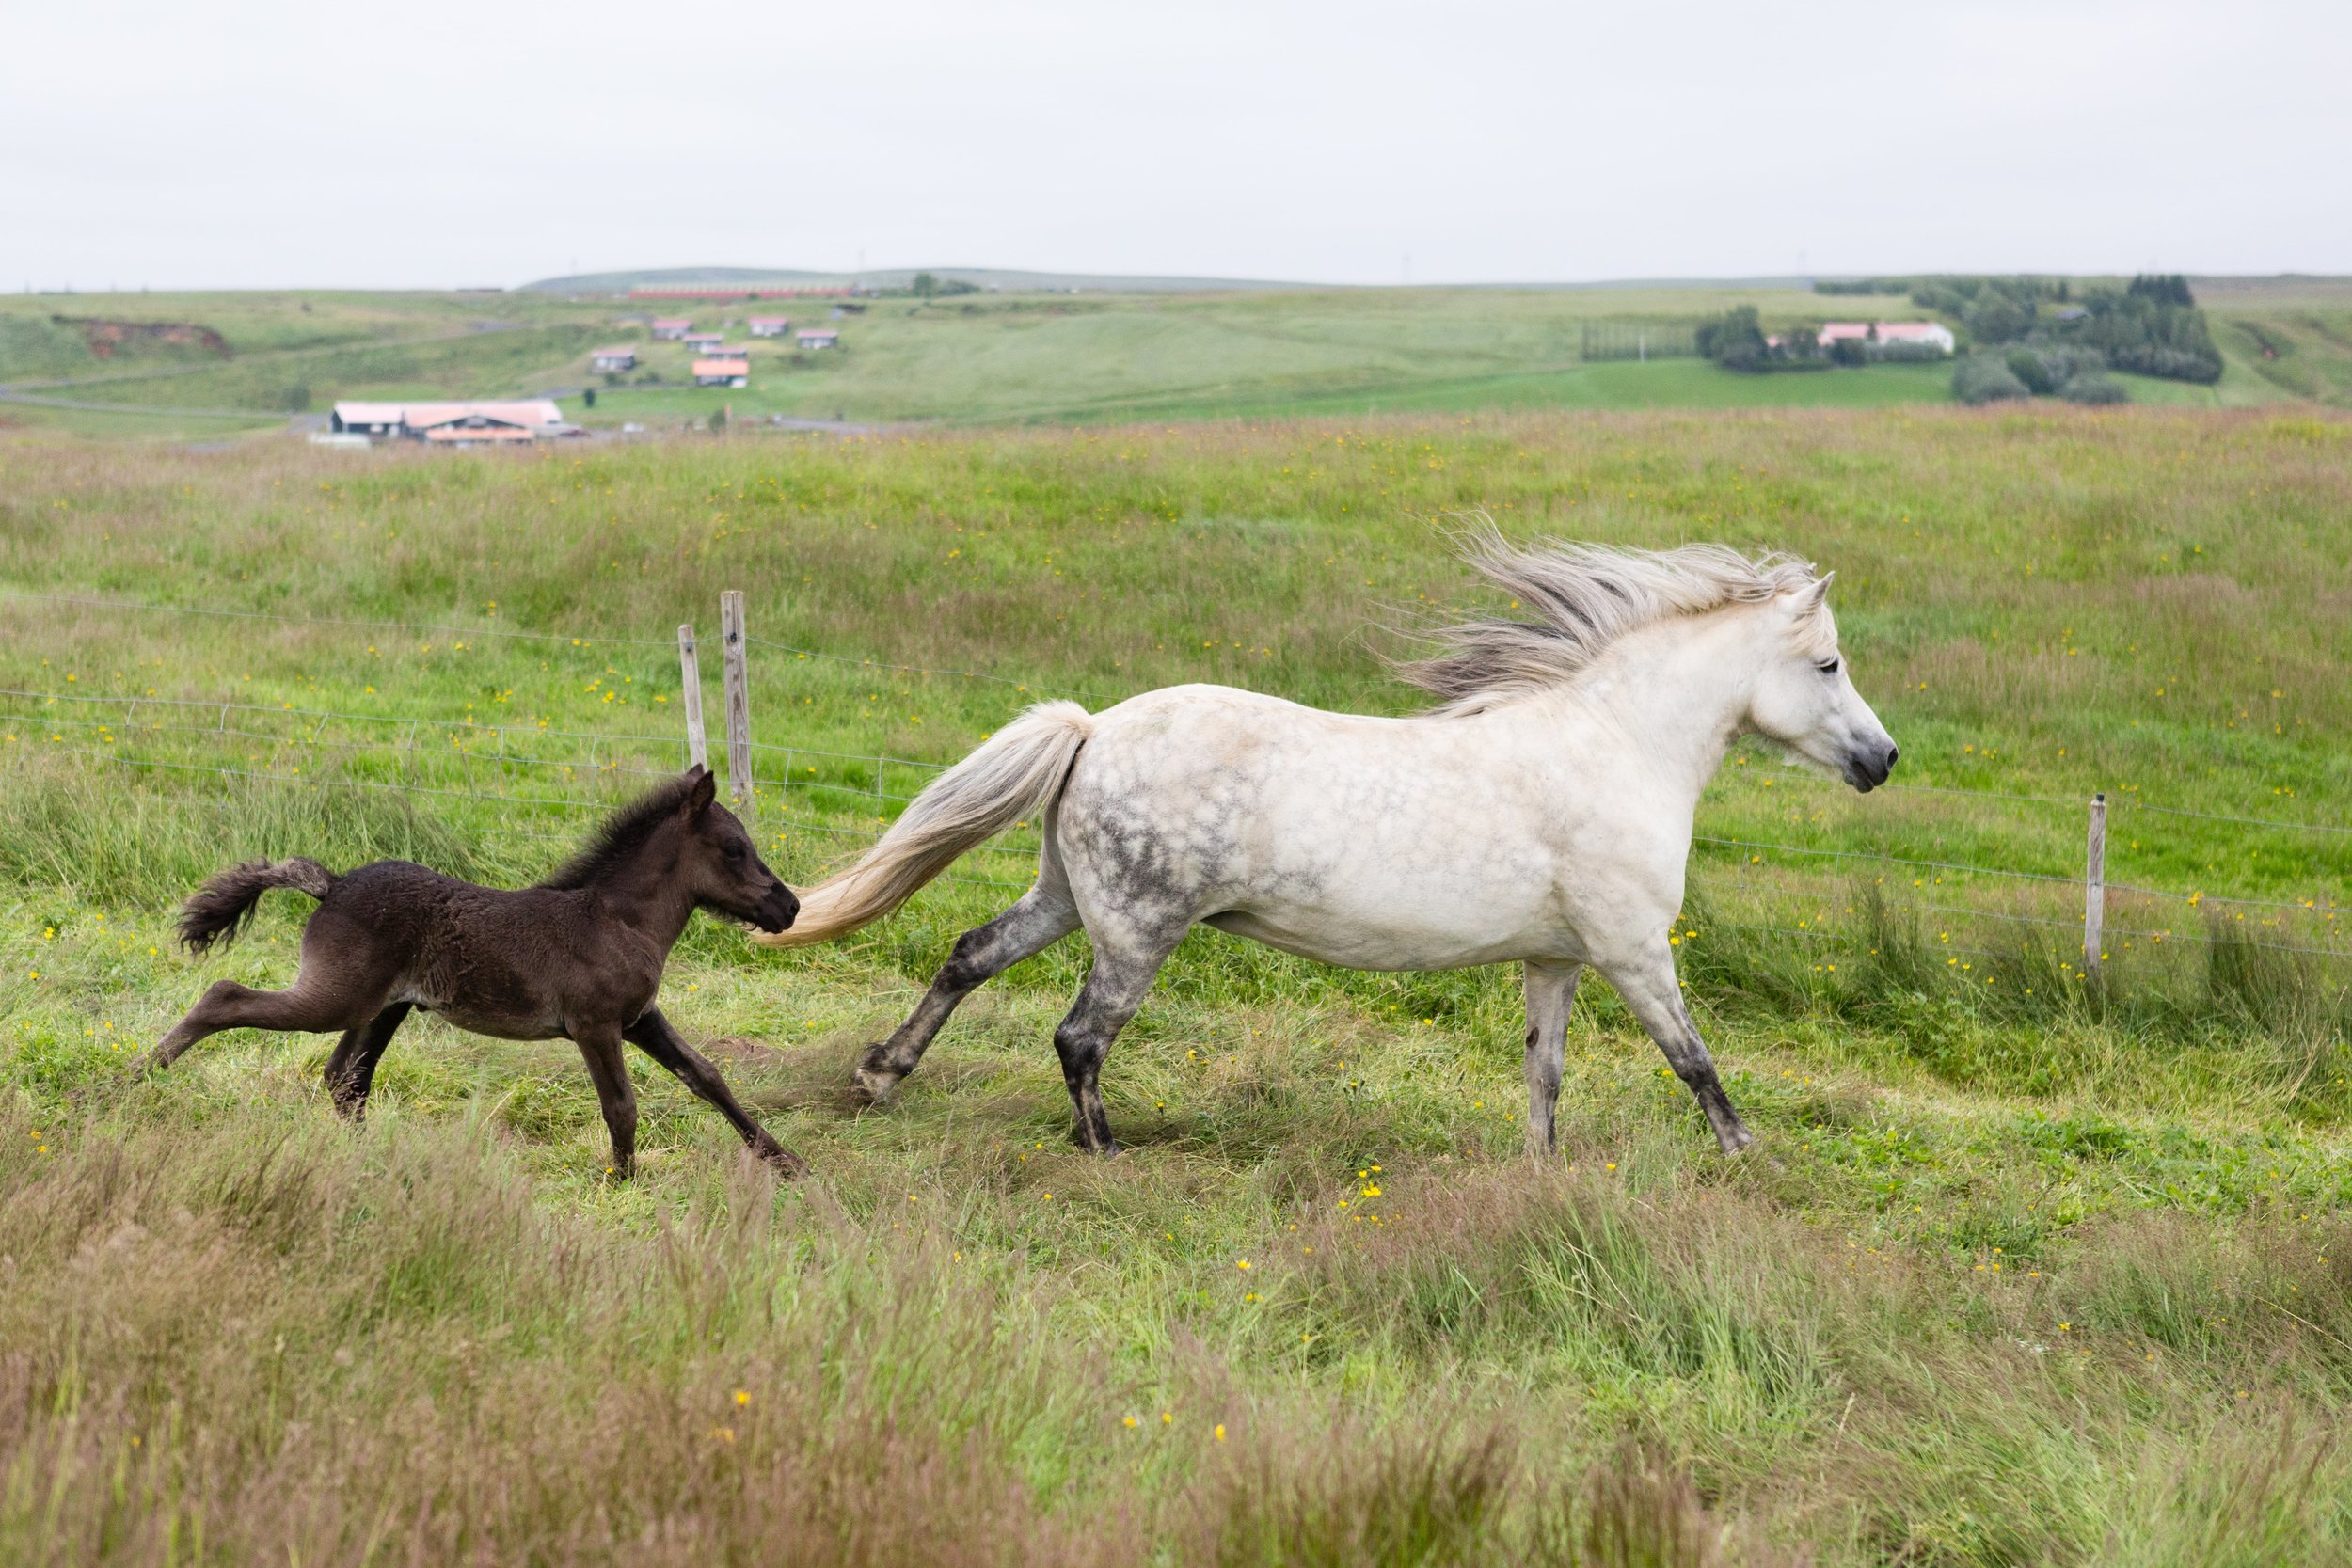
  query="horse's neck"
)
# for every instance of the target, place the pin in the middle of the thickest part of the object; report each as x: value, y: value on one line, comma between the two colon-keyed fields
x: 1678, y: 693
x: 643, y: 891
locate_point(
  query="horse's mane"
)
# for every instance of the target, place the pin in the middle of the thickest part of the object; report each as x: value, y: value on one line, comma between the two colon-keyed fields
x: 1585, y: 597
x: 620, y: 835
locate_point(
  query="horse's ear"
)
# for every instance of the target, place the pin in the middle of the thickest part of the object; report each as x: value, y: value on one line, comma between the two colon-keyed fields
x: 1815, y: 593
x: 699, y: 794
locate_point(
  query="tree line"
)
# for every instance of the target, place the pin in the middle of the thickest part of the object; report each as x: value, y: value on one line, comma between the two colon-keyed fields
x: 2150, y: 327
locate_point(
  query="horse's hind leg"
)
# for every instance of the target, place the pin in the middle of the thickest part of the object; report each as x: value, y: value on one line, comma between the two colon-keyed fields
x: 351, y: 1068
x: 1040, y: 919
x: 1647, y: 984
x: 1114, y: 988
x: 1550, y: 988
x: 301, y: 1009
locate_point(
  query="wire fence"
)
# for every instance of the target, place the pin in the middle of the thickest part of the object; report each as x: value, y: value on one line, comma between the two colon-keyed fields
x: 840, y: 801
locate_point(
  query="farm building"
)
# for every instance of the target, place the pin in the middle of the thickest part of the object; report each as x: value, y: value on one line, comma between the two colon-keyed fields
x: 820, y: 337
x: 701, y: 342
x: 1931, y: 333
x: 622, y: 358
x: 770, y: 326
x: 669, y: 329
x: 715, y: 351
x: 722, y: 373
x: 454, y: 424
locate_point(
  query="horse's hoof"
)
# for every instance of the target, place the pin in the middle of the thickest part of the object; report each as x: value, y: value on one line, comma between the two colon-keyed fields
x: 785, y: 1164
x: 868, y: 1087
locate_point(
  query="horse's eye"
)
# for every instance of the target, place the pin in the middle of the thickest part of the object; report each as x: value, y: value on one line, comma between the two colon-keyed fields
x: 1828, y: 667
x: 733, y: 851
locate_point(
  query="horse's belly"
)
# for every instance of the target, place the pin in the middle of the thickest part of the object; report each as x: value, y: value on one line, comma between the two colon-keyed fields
x: 1362, y: 943
x: 497, y: 1023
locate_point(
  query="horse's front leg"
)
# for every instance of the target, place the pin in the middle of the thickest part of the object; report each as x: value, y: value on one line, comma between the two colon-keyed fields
x: 601, y: 1048
x: 1646, y: 981
x: 654, y: 1035
x: 1550, y: 990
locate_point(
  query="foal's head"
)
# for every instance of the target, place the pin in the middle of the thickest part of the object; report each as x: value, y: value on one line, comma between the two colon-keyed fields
x: 1804, y: 697
x: 719, y: 863
x: 687, y: 839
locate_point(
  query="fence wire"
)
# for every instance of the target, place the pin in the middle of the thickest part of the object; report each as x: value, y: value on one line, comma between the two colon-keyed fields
x: 825, y: 777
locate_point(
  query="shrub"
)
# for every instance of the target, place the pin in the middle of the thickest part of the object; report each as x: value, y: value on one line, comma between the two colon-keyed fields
x: 2040, y: 377
x: 1982, y: 378
x: 2092, y: 387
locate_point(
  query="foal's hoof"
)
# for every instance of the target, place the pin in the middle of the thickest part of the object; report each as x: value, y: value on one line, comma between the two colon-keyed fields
x: 780, y: 1159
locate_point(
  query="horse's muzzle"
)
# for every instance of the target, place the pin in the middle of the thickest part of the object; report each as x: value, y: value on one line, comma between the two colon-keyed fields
x: 777, y: 911
x: 1867, y: 769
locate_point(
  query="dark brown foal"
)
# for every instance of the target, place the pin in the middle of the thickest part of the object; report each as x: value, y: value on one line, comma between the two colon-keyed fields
x: 579, y: 957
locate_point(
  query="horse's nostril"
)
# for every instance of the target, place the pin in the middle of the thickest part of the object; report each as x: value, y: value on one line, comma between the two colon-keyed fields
x: 1892, y: 753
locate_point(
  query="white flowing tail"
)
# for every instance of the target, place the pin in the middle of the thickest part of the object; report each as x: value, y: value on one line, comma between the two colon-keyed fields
x: 1012, y: 775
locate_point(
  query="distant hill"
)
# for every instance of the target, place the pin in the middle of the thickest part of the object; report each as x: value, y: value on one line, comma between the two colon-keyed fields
x: 1006, y: 279
x: 1015, y: 281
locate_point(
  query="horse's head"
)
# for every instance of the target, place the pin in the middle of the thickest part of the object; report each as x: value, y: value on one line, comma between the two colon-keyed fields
x: 721, y: 866
x: 1804, y: 696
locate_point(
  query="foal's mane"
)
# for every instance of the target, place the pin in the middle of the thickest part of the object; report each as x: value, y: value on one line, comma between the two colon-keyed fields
x: 1585, y: 598
x: 621, y: 835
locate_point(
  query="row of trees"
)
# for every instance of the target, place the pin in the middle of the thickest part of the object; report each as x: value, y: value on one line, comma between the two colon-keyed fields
x: 1737, y: 340
x: 2152, y: 326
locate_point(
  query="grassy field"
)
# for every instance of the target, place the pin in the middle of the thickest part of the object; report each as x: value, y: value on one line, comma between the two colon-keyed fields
x: 2027, y: 1270
x: 1028, y: 358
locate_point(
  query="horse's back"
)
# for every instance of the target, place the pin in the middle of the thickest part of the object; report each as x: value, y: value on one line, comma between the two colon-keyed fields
x: 1378, y: 843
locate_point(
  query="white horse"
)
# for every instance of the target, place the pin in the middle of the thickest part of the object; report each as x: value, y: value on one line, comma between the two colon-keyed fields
x: 1541, y: 814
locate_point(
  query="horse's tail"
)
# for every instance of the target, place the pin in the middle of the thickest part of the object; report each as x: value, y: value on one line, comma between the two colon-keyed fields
x: 1012, y: 775
x: 221, y: 909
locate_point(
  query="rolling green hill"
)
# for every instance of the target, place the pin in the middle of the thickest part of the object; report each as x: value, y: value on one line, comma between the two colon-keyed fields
x: 1021, y: 357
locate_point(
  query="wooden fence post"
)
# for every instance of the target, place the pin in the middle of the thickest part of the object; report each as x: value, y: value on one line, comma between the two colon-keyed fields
x: 2095, y: 884
x: 738, y: 700
x: 691, y: 674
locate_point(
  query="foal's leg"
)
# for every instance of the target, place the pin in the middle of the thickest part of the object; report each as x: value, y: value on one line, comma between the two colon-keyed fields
x: 302, y: 1008
x: 601, y: 1048
x: 1114, y: 988
x: 1647, y: 984
x: 653, y: 1034
x: 1550, y: 988
x: 351, y: 1068
x: 1036, y: 923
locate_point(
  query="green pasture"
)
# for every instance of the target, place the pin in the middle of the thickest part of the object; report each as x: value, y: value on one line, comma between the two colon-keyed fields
x: 2028, y: 1268
x: 1012, y: 358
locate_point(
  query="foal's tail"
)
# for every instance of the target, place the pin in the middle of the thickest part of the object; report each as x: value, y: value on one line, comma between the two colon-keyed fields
x: 221, y: 909
x: 1014, y: 774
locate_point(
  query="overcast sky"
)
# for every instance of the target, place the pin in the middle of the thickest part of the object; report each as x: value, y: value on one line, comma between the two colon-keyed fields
x: 250, y: 143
